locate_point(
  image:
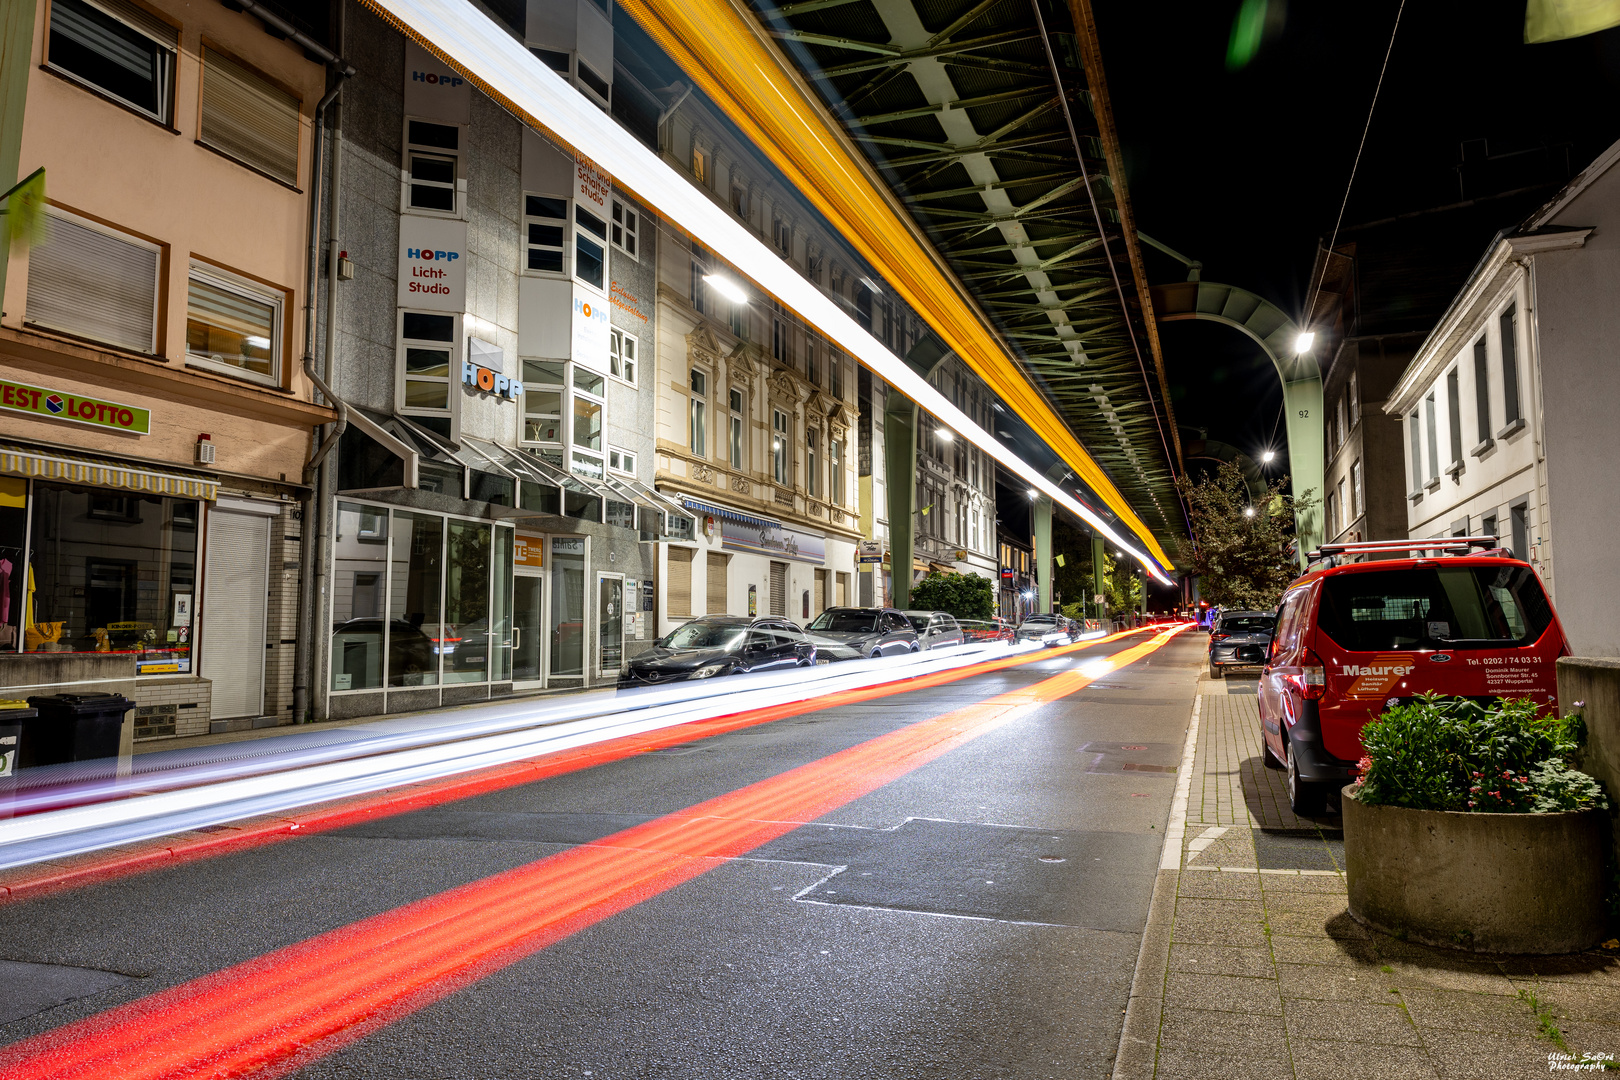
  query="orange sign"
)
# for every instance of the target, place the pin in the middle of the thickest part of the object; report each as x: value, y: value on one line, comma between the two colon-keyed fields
x: 529, y: 551
x: 1378, y: 678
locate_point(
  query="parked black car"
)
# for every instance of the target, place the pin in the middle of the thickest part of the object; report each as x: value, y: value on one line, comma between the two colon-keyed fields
x: 845, y: 633
x: 720, y: 645
x: 935, y: 629
x: 1239, y: 639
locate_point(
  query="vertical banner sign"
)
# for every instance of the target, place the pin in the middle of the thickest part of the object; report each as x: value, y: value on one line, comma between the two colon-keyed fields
x: 591, y: 186
x: 589, y: 331
x: 432, y: 263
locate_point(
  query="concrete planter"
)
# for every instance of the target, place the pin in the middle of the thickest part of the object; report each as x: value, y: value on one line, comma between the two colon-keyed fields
x: 1494, y: 883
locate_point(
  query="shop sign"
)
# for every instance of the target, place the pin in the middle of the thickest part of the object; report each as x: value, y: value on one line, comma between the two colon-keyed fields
x: 432, y: 264
x: 490, y: 382
x: 529, y: 551
x: 589, y: 331
x: 870, y: 551
x: 591, y: 186
x: 777, y: 541
x: 56, y: 405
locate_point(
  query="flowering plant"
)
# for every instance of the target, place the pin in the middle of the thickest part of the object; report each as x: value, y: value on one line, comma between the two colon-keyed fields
x: 1453, y: 753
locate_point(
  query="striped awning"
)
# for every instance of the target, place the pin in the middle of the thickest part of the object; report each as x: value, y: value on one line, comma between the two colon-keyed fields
x: 103, y: 472
x: 726, y: 513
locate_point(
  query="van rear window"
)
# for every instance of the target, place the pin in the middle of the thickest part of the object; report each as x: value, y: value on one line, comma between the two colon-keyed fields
x: 1425, y: 607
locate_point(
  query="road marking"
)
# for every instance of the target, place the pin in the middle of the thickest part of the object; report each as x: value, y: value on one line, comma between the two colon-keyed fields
x: 280, y: 1011
x: 1176, y: 829
x: 421, y: 795
x: 1197, y: 847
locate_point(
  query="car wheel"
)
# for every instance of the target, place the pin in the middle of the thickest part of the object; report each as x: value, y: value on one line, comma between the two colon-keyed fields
x: 916, y: 648
x: 1305, y: 798
x: 1215, y: 672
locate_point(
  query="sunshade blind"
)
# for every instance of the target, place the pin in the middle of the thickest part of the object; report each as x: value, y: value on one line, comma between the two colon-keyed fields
x: 717, y: 583
x: 678, y: 587
x: 90, y: 283
x: 249, y: 118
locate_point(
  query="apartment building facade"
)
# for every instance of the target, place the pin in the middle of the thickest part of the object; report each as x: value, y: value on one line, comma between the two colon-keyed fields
x: 156, y: 419
x: 1506, y: 405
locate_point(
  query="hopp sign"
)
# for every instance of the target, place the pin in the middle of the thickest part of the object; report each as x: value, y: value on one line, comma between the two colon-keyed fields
x: 55, y: 405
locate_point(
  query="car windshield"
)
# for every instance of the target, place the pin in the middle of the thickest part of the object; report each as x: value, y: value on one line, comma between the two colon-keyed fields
x: 700, y: 635
x: 918, y: 623
x: 1423, y: 607
x: 846, y: 622
x: 1248, y: 624
x: 1041, y: 619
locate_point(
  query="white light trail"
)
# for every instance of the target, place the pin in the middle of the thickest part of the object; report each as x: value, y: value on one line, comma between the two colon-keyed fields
x: 472, y: 42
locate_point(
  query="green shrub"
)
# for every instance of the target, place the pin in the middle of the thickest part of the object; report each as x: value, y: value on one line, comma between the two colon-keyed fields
x: 967, y: 596
x: 1451, y: 753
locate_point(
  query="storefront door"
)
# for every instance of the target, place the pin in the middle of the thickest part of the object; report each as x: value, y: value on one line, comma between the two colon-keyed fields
x: 610, y: 622
x: 566, y: 627
x: 528, y: 627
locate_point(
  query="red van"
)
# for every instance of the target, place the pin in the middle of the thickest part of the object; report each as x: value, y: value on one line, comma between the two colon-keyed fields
x: 1355, y: 639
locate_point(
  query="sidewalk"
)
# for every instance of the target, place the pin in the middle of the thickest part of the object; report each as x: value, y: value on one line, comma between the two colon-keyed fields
x: 1252, y: 968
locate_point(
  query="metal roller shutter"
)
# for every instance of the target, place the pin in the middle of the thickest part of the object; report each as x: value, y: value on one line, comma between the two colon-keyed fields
x: 249, y: 118
x: 779, y: 589
x: 716, y: 587
x: 678, y: 583
x: 85, y: 281
x: 234, y: 610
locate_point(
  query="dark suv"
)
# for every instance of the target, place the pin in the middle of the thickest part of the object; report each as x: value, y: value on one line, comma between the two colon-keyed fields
x: 1239, y: 639
x: 1356, y: 639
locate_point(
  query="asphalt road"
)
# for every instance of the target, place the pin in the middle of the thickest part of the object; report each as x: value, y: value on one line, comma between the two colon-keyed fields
x: 975, y: 916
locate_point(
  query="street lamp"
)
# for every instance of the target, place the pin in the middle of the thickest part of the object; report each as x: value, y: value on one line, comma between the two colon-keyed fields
x: 1248, y: 511
x: 1268, y: 457
x: 1303, y: 343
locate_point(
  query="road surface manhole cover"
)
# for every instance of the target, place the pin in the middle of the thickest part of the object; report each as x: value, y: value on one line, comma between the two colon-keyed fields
x: 1052, y: 858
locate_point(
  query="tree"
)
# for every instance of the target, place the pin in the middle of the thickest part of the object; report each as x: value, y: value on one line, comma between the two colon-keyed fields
x: 967, y: 596
x: 1241, y: 558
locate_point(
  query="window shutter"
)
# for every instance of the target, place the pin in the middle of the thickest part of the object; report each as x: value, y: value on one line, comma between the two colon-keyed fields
x: 95, y: 285
x: 717, y: 583
x: 140, y: 19
x: 678, y: 587
x: 249, y: 118
x: 779, y: 589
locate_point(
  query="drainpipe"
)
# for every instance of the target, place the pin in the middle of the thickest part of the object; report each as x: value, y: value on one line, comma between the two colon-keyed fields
x: 314, y: 473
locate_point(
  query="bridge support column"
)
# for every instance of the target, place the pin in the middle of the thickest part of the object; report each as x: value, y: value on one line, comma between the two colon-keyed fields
x: 900, y: 483
x: 1043, y: 554
x: 1099, y: 575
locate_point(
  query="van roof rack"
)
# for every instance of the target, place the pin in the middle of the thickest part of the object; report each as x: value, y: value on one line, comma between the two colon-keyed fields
x: 1444, y: 545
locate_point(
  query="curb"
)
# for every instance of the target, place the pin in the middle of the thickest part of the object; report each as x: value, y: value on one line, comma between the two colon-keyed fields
x: 1137, y: 1055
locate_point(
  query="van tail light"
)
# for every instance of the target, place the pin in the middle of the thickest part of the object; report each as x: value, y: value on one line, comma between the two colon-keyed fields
x: 1311, y: 682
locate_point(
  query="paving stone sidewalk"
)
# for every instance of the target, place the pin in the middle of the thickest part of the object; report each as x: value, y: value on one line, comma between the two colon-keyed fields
x: 1252, y: 967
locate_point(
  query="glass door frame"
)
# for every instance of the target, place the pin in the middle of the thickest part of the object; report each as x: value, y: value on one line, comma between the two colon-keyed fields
x: 596, y: 634
x: 538, y: 574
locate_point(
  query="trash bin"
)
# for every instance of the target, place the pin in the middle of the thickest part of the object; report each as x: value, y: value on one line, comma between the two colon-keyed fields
x: 12, y: 716
x: 73, y: 727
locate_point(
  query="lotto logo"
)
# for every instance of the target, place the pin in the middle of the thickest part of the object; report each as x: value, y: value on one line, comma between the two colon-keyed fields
x: 55, y: 403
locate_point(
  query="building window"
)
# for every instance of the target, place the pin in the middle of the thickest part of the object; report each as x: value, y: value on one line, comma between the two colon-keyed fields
x: 1510, y: 368
x: 1482, y: 392
x: 121, y: 51
x: 427, y: 357
x: 1519, y: 522
x: 1341, y: 416
x: 779, y: 446
x: 624, y: 228
x: 233, y: 325
x: 1430, y: 421
x: 590, y: 257
x: 738, y: 318
x: 1355, y: 489
x: 739, y: 201
x: 1354, y: 394
x: 835, y: 368
x: 700, y: 288
x: 588, y: 401
x: 735, y: 424
x: 80, y: 259
x: 811, y: 370
x: 432, y: 156
x: 835, y: 471
x: 1414, y: 429
x: 700, y: 165
x: 1454, y: 414
x: 697, y: 418
x: 621, y: 461
x: 779, y: 341
x: 812, y: 441
x: 247, y: 117
x: 1332, y: 515
x: 545, y: 223
x: 543, y: 382
x: 782, y: 234
x: 622, y: 355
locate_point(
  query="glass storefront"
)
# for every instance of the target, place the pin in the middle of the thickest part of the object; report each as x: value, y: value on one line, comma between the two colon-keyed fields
x: 105, y: 571
x: 567, y: 606
x: 419, y: 600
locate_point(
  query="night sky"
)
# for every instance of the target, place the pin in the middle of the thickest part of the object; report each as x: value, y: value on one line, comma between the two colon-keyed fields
x: 1244, y: 168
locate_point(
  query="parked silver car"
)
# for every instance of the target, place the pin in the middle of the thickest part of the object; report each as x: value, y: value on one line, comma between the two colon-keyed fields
x: 1239, y: 639
x: 843, y: 633
x: 935, y: 629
